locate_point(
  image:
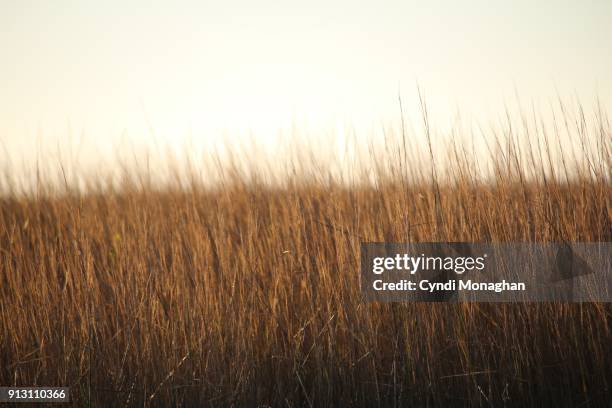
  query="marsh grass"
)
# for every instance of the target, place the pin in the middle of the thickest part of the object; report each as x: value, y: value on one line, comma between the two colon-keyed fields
x: 247, y: 292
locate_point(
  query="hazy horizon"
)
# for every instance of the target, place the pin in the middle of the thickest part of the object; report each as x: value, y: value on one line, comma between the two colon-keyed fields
x: 98, y: 79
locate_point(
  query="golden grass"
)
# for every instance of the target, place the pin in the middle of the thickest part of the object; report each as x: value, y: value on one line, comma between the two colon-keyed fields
x: 248, y: 294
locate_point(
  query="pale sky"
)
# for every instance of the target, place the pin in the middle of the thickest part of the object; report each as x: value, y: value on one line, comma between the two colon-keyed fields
x: 112, y: 70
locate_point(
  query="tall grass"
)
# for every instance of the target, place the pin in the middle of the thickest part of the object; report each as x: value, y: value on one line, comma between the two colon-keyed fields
x: 245, y: 291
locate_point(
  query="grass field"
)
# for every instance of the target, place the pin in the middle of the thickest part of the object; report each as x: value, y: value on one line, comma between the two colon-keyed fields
x: 247, y: 293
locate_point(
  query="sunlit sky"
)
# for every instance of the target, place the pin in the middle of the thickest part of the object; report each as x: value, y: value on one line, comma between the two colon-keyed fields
x: 130, y: 69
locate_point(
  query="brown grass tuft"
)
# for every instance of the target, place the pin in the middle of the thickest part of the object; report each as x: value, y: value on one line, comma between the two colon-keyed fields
x: 248, y: 293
